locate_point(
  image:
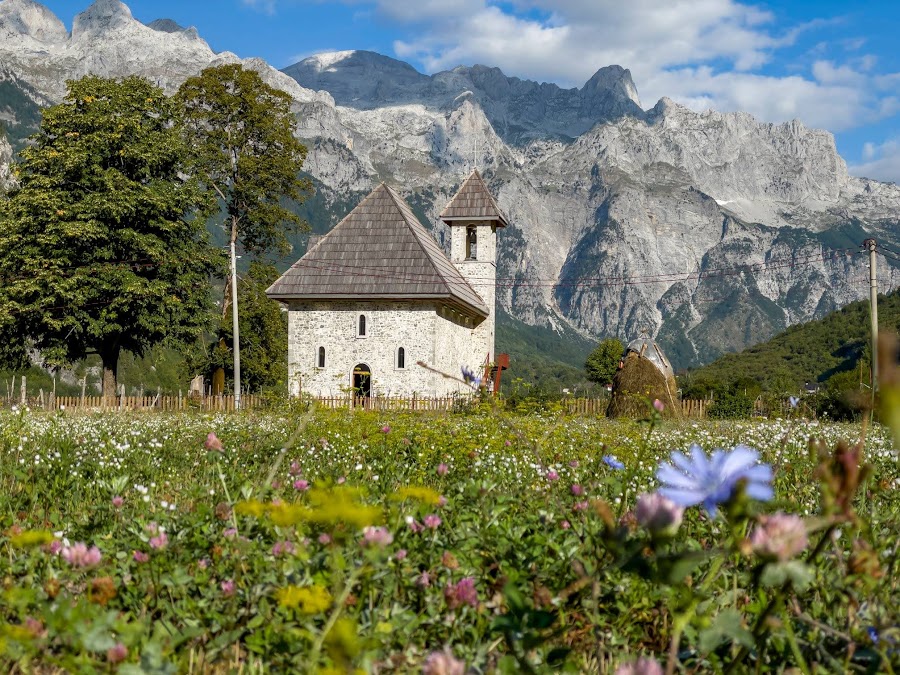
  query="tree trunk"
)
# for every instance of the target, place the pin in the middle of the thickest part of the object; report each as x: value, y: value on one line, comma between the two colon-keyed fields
x: 110, y: 357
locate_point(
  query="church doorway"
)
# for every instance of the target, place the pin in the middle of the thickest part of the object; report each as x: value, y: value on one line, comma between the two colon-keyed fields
x: 361, y: 381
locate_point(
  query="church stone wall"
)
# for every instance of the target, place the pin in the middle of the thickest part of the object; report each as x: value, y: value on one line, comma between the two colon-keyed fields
x: 389, y: 325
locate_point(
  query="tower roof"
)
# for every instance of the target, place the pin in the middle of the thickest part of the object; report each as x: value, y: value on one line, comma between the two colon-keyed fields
x: 379, y: 251
x: 473, y: 201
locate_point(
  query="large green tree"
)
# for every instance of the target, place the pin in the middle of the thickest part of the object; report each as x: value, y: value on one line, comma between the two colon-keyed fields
x: 601, y: 364
x: 99, y: 251
x: 245, y: 153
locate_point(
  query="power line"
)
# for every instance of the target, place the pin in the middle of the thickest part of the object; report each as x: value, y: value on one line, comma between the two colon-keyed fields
x: 370, y: 272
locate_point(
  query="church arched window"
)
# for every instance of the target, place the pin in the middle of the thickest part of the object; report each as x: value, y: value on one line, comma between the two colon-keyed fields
x: 320, y: 361
x: 401, y: 358
x: 471, y: 243
x: 361, y: 326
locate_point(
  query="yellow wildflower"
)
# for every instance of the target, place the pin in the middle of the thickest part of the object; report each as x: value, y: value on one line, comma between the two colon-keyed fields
x: 419, y: 493
x: 306, y: 599
x: 251, y: 507
x: 31, y: 538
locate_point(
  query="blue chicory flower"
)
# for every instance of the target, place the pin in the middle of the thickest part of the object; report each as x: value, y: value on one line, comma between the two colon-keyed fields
x: 613, y: 463
x: 711, y: 480
x: 470, y: 378
x: 793, y: 400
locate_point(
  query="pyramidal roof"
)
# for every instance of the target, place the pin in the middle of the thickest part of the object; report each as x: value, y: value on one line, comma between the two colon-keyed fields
x: 473, y: 201
x: 380, y: 250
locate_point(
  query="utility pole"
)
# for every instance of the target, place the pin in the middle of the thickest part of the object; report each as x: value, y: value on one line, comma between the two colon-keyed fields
x: 872, y: 245
x: 236, y: 344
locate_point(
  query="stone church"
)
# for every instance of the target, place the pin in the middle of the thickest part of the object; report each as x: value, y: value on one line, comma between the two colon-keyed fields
x: 377, y: 294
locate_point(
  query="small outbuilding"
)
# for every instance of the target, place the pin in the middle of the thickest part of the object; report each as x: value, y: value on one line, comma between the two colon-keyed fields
x: 644, y: 376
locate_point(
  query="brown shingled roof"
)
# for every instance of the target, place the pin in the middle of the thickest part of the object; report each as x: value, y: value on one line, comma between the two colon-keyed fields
x: 378, y: 251
x: 473, y: 201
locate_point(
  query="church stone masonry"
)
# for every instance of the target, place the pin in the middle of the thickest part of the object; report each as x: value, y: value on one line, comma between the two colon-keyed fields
x: 377, y: 294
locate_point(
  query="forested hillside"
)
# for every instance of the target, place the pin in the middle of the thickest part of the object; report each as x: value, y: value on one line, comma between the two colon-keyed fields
x: 811, y: 352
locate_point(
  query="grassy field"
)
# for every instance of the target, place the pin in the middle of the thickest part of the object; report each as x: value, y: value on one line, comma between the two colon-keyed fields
x: 294, y: 541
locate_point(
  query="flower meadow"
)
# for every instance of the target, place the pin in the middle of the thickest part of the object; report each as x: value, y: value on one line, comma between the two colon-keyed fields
x: 478, y: 541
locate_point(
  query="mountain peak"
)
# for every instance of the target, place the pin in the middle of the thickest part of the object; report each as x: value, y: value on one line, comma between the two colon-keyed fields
x: 616, y: 80
x: 102, y: 15
x: 31, y: 19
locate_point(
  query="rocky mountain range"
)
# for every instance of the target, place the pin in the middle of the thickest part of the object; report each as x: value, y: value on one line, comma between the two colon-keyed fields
x: 711, y: 230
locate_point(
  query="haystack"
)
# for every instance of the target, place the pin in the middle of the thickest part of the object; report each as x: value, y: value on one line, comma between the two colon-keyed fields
x: 645, y: 375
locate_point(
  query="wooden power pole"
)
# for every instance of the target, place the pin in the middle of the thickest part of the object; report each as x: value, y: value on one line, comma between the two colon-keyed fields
x: 872, y: 245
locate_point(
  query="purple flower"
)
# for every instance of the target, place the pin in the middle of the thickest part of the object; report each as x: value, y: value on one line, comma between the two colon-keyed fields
x: 230, y: 532
x: 401, y: 554
x: 470, y: 378
x: 613, y: 463
x: 227, y: 587
x: 442, y: 469
x: 432, y: 521
x: 213, y: 443
x: 565, y: 524
x: 780, y: 536
x: 423, y: 580
x: 711, y: 480
x: 377, y: 536
x: 658, y: 514
x: 282, y: 547
x: 117, y: 653
x: 160, y: 541
x: 385, y: 429
x: 443, y: 663
x: 658, y: 405
x: 324, y: 538
x: 117, y: 501
x: 643, y: 666
x: 580, y: 506
x: 414, y: 525
x: 295, y: 469
x: 79, y: 555
x: 140, y: 557
x: 301, y: 485
x: 461, y: 593
x: 552, y: 475
x: 577, y: 490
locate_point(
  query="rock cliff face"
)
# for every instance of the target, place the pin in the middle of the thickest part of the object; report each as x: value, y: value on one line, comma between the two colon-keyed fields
x: 713, y: 231
x: 6, y: 153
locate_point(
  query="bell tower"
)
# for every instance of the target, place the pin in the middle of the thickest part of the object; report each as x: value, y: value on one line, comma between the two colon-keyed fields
x: 473, y: 218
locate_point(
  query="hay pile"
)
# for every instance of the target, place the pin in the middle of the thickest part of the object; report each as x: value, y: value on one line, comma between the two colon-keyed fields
x: 638, y: 381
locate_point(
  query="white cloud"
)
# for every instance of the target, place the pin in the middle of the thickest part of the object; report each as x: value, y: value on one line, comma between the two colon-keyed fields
x: 882, y: 162
x: 265, y: 6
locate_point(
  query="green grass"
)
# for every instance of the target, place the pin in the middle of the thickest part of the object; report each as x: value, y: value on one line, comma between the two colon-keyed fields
x: 258, y: 570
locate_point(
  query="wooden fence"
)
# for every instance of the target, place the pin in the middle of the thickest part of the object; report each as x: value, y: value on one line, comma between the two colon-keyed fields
x: 576, y: 406
x: 597, y: 406
x: 145, y: 403
x: 391, y: 402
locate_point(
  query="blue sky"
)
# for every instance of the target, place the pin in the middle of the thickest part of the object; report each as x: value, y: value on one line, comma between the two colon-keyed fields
x: 833, y: 65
